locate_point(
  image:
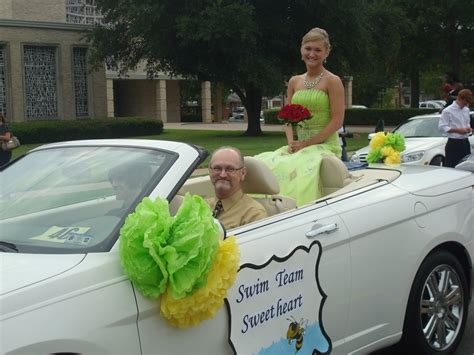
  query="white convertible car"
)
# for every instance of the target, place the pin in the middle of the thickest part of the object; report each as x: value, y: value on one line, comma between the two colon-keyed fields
x: 384, y: 256
x: 424, y: 141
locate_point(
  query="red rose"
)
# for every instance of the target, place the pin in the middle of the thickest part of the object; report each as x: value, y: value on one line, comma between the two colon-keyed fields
x: 294, y: 114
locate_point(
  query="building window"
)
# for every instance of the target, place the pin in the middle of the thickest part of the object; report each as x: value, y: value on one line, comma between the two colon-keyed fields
x: 80, y: 82
x: 41, y: 92
x: 83, y: 12
x: 3, y: 82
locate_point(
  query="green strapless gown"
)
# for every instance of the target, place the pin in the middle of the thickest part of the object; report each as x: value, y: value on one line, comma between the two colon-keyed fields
x: 298, y: 173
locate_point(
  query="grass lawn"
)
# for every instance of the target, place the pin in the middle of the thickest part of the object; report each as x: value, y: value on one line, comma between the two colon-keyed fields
x: 213, y: 139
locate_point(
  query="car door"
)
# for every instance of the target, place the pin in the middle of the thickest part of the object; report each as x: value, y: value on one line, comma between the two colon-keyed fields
x: 386, y: 243
x: 294, y: 269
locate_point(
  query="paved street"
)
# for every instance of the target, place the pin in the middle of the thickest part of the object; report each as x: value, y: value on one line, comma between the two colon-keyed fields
x: 467, y: 344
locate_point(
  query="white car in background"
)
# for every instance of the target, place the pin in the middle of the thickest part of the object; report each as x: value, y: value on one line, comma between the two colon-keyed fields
x: 438, y: 104
x: 424, y: 141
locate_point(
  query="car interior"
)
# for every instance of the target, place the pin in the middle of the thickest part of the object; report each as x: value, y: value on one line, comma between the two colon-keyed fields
x: 94, y: 222
x: 260, y: 183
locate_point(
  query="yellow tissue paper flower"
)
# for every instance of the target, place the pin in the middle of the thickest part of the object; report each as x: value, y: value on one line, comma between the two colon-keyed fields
x: 378, y: 140
x: 393, y: 158
x: 390, y: 155
x: 386, y: 151
x: 205, y: 302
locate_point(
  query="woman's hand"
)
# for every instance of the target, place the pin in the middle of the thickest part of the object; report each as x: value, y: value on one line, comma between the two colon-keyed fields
x: 295, y: 146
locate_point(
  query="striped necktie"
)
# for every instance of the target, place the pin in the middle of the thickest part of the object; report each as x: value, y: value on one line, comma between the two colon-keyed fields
x: 217, y: 209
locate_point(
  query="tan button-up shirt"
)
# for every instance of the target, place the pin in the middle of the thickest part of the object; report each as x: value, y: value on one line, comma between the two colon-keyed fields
x: 239, y: 209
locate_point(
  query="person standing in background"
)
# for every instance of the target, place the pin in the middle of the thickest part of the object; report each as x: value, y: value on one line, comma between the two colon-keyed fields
x: 451, y: 87
x: 343, y: 134
x: 5, y: 136
x: 455, y: 122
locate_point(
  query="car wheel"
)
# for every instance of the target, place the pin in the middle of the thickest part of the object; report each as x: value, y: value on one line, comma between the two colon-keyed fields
x: 437, y: 307
x: 437, y: 160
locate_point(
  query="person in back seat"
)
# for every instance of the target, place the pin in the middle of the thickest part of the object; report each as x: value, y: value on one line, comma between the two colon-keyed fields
x: 231, y: 206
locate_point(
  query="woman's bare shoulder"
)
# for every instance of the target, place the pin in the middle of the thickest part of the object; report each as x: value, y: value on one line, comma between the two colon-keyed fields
x: 296, y: 78
x: 332, y: 77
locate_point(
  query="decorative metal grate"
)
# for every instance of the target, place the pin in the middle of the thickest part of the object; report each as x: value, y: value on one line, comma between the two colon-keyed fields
x: 3, y: 83
x: 80, y: 82
x: 83, y: 12
x: 41, y: 92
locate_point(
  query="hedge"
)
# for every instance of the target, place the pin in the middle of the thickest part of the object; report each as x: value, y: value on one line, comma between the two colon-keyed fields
x: 64, y: 130
x: 364, y: 117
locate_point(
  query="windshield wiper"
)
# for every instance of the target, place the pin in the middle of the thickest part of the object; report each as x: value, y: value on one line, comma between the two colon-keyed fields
x: 8, y: 247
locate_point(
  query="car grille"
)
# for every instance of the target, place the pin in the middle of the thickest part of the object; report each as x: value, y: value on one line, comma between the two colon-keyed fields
x: 363, y: 158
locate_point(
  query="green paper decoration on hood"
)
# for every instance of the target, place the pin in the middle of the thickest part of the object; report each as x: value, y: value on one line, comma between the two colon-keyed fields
x: 157, y: 249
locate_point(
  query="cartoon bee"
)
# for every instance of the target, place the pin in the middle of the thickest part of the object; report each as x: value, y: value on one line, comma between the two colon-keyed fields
x: 295, y: 332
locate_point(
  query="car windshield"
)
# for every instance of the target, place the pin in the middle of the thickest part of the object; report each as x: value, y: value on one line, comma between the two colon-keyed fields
x: 420, y: 127
x: 73, y: 199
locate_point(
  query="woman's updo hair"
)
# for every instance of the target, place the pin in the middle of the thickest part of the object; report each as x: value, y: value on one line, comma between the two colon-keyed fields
x: 317, y: 34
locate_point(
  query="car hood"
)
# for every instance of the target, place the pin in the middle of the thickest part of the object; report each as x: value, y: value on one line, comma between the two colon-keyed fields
x: 19, y: 270
x: 414, y: 144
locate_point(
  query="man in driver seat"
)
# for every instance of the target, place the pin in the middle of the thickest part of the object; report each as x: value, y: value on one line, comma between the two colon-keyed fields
x: 128, y: 181
x: 231, y: 206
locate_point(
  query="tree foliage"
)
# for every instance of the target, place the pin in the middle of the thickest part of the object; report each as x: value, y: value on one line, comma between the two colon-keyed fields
x: 251, y: 46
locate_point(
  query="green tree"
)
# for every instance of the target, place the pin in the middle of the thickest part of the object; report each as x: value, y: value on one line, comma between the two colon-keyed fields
x: 435, y: 34
x: 251, y: 46
x: 380, y: 70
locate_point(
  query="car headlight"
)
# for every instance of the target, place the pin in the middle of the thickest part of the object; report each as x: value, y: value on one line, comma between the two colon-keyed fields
x: 411, y: 157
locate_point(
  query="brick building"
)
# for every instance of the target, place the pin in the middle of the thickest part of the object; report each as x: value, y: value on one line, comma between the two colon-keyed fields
x: 44, y: 71
x: 43, y: 63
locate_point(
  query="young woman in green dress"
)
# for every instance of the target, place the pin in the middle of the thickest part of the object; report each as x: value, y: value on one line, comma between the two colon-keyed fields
x: 296, y: 166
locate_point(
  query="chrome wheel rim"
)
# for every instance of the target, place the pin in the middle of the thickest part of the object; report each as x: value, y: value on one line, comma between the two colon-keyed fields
x: 442, y: 307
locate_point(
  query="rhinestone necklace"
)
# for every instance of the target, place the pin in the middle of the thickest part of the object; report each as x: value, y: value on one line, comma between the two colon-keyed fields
x: 312, y: 84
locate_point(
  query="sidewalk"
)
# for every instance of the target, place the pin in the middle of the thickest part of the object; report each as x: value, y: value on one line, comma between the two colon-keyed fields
x: 242, y: 126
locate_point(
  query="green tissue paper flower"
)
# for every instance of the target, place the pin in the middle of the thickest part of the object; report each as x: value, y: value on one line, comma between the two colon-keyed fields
x: 192, y: 246
x: 157, y: 249
x: 143, y: 230
x: 374, y: 156
x: 396, y: 141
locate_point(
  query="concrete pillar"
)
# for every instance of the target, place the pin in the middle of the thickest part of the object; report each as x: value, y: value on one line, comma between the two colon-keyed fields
x: 161, y: 109
x: 218, y: 112
x: 110, y: 98
x: 173, y: 101
x: 17, y: 94
x: 206, y: 101
x: 348, y: 90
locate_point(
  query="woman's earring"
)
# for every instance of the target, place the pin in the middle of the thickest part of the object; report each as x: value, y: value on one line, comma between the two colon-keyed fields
x: 325, y: 60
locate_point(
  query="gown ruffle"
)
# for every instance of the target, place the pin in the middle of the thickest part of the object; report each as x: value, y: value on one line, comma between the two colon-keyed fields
x: 298, y: 173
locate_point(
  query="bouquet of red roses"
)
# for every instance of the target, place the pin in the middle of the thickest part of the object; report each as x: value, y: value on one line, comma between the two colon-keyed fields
x: 294, y: 114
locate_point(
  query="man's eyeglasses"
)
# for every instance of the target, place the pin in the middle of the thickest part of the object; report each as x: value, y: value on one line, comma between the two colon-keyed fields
x: 229, y: 170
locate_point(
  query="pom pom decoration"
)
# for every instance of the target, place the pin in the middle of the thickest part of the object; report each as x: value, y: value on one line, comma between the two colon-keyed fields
x: 143, y: 268
x: 205, y: 302
x: 191, y: 247
x: 179, y: 258
x: 386, y: 148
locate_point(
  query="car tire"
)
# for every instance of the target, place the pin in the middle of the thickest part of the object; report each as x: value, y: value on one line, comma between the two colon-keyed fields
x: 437, y: 308
x: 437, y: 160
